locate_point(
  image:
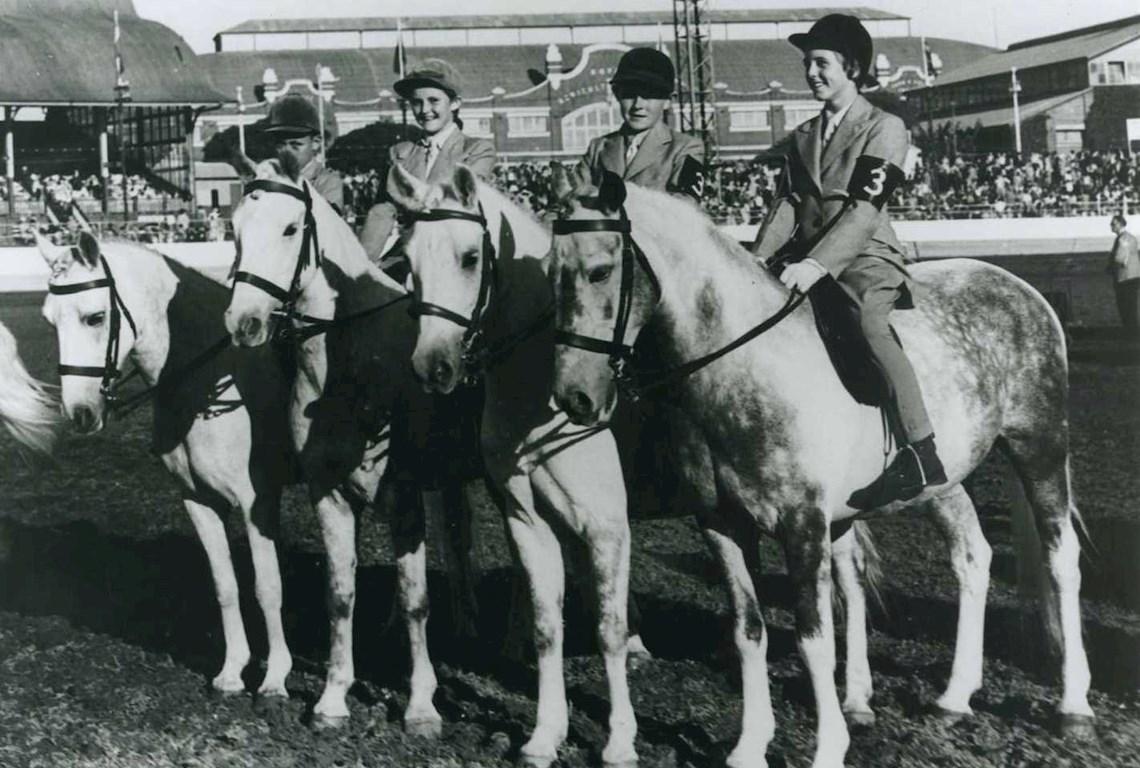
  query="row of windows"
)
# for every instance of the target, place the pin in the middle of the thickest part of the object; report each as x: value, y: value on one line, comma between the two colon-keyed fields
x: 1114, y: 72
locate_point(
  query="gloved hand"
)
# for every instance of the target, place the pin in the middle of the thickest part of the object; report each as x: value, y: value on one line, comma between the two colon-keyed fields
x: 802, y: 275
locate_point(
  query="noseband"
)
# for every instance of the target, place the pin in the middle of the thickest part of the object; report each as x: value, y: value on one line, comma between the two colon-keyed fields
x: 621, y: 355
x: 473, y: 325
x: 310, y: 246
x: 109, y: 372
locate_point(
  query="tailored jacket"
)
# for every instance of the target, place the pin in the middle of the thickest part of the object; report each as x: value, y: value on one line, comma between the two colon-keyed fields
x: 1125, y: 257
x: 476, y: 154
x: 659, y: 163
x: 327, y: 182
x: 861, y: 249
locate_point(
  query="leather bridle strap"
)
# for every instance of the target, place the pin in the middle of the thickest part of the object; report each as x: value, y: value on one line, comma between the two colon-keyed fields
x: 109, y: 371
x: 310, y: 245
x: 618, y: 351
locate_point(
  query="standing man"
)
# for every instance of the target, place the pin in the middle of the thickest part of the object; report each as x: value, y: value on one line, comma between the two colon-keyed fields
x: 1125, y: 268
x: 295, y: 129
x: 842, y: 167
x: 645, y: 150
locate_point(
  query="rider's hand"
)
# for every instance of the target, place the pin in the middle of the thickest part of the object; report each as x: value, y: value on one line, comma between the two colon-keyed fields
x: 802, y: 275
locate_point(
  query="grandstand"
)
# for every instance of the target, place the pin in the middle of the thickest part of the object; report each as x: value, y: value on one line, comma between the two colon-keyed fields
x: 537, y: 85
x: 1078, y: 90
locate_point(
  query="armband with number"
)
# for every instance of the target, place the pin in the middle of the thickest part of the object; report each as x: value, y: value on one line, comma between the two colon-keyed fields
x: 689, y: 180
x: 874, y: 180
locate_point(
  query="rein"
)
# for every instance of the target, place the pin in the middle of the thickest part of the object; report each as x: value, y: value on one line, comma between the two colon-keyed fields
x: 622, y: 357
x: 109, y: 372
x: 477, y: 355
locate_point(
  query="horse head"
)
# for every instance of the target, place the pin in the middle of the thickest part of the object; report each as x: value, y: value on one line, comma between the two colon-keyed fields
x: 94, y: 327
x: 604, y: 293
x: 275, y: 235
x: 451, y: 261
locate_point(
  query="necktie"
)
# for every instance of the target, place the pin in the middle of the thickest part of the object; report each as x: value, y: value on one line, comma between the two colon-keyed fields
x: 632, y: 144
x: 429, y: 156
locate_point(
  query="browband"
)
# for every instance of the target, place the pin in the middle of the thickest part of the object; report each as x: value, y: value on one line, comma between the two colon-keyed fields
x: 571, y: 226
x: 445, y: 214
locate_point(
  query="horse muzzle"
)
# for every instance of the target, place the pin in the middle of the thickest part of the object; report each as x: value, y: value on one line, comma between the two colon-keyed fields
x: 85, y: 419
x: 247, y: 330
x: 437, y: 370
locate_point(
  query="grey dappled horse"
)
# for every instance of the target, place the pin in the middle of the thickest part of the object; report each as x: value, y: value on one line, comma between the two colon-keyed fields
x: 770, y: 441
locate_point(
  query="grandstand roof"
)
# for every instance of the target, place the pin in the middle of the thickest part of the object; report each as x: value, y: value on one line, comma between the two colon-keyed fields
x: 744, y: 65
x: 1082, y: 44
x: 67, y: 58
x: 543, y: 20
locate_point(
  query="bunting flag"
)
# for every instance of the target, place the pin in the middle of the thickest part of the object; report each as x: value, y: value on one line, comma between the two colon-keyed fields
x: 120, y: 67
x: 400, y: 61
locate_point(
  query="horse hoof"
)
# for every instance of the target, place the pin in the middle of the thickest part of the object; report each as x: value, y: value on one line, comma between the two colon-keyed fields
x: 424, y: 727
x: 536, y: 761
x: 269, y: 702
x: 1078, y: 727
x: 226, y: 693
x: 329, y: 722
x: 621, y: 764
x: 860, y: 718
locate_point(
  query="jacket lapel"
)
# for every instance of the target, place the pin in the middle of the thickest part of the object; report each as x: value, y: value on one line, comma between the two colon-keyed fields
x: 808, y: 140
x: 653, y: 147
x: 450, y: 155
x: 853, y: 124
x: 613, y: 154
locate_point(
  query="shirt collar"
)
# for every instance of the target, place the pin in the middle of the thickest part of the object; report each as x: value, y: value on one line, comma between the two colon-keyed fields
x: 833, y: 121
x: 441, y: 138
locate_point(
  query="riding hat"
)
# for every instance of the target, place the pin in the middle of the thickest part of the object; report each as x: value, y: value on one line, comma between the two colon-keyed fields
x: 431, y: 73
x: 645, y: 72
x: 843, y: 34
x: 293, y: 115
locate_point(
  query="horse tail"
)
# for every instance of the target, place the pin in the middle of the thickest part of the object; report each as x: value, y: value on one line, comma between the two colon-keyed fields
x: 27, y: 410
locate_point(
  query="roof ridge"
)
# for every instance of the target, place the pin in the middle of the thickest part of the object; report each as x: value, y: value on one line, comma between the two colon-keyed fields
x: 1101, y: 27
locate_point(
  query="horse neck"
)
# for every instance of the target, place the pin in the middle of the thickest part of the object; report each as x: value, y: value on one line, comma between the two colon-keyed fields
x: 712, y: 292
x: 523, y: 290
x: 346, y: 281
x: 177, y: 310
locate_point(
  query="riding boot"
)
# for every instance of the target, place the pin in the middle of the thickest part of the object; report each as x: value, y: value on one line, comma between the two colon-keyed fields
x: 915, y: 467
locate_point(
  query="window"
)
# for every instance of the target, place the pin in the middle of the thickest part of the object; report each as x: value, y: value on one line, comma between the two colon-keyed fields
x: 755, y: 119
x: 1115, y: 72
x: 589, y: 122
x: 527, y: 125
x: 477, y: 125
x: 793, y: 116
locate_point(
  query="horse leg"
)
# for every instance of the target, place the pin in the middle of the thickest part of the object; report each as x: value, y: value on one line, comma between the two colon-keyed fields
x: 338, y: 529
x: 758, y: 723
x: 458, y: 518
x: 267, y: 575
x: 541, y: 557
x: 583, y: 484
x: 408, y: 533
x: 807, y: 548
x: 970, y: 556
x: 848, y: 559
x: 1048, y: 488
x: 212, y: 533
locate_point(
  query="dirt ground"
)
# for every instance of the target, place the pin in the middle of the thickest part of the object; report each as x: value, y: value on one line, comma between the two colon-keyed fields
x: 109, y: 631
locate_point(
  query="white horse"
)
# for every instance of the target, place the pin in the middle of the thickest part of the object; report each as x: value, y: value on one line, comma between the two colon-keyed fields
x: 479, y: 270
x: 219, y: 412
x: 771, y: 441
x: 354, y: 397
x: 27, y: 409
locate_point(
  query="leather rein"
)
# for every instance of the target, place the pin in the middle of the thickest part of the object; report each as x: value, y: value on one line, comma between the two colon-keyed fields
x: 622, y: 356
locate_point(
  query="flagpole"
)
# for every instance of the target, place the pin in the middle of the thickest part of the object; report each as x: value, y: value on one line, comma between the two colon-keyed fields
x: 400, y: 66
x: 321, y: 110
x: 122, y: 96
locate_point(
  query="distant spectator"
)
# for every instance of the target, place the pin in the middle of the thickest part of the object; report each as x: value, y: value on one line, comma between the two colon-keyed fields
x: 1125, y: 268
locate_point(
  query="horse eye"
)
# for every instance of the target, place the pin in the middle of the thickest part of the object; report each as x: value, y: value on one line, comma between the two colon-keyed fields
x: 600, y: 274
x: 95, y: 319
x: 290, y: 230
x: 470, y: 259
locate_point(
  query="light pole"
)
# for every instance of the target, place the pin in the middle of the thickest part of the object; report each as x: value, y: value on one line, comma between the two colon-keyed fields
x: 496, y: 93
x: 241, y: 122
x: 1015, y: 88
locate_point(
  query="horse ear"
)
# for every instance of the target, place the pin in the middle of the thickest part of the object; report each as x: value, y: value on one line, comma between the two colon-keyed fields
x: 56, y: 257
x: 611, y: 192
x: 245, y: 167
x: 463, y: 180
x: 88, y: 249
x: 405, y: 189
x: 560, y: 187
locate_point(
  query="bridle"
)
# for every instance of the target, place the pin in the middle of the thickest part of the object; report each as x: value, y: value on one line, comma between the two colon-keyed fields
x: 109, y: 372
x: 310, y: 249
x: 622, y: 357
x: 471, y: 346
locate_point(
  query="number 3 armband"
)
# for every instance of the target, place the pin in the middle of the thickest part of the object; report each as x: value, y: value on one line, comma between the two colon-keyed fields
x: 874, y: 180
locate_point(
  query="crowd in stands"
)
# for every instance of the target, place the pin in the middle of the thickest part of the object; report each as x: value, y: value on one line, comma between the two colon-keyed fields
x: 63, y: 188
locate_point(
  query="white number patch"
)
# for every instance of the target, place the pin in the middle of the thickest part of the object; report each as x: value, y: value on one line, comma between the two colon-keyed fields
x: 878, y: 178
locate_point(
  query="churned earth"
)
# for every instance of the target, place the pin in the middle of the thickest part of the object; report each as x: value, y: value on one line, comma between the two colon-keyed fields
x: 109, y: 632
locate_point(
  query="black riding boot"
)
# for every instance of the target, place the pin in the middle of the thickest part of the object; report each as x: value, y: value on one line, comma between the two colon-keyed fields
x: 915, y: 467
